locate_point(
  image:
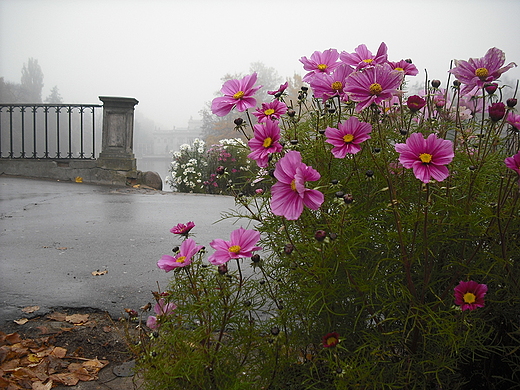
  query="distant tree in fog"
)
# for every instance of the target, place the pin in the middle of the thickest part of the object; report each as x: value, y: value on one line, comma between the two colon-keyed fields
x: 54, y: 96
x: 32, y: 81
x: 268, y: 77
x: 9, y: 92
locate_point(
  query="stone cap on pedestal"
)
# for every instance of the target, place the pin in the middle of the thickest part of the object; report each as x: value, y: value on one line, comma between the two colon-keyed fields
x: 118, y: 133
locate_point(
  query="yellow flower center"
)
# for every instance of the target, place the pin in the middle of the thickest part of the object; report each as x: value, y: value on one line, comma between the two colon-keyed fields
x: 348, y: 138
x: 332, y: 340
x: 293, y: 185
x: 425, y: 157
x: 322, y: 66
x: 234, y: 248
x: 368, y: 60
x: 375, y: 89
x: 399, y: 69
x: 469, y: 297
x: 269, y: 111
x: 267, y: 142
x: 181, y: 259
x: 481, y: 73
x: 239, y: 95
x: 337, y: 85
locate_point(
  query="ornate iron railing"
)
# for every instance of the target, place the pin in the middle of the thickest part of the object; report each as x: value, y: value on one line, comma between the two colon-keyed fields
x: 63, y: 131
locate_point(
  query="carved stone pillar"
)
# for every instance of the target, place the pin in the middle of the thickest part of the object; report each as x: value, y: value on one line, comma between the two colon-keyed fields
x: 118, y: 134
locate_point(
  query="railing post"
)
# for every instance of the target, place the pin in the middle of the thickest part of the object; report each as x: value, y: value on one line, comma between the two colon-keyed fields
x: 118, y: 133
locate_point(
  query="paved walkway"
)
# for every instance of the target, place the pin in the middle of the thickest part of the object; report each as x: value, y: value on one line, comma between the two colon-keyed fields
x: 53, y: 235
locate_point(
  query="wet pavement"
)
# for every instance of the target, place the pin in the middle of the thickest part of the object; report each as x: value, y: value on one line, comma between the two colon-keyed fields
x: 54, y: 235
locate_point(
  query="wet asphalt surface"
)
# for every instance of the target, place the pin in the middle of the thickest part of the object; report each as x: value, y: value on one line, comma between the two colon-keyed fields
x: 53, y: 235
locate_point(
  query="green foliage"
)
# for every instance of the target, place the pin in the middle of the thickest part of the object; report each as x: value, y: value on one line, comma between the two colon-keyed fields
x: 382, y: 278
x: 223, y: 168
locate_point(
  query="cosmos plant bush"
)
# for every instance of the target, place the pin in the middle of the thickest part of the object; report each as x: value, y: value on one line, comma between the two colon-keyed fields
x: 384, y: 251
x: 220, y: 169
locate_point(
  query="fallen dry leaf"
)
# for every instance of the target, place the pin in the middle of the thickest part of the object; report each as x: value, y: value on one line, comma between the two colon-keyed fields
x: 21, y: 321
x: 38, y: 385
x: 59, y: 352
x: 67, y: 378
x: 77, y: 319
x: 56, y: 316
x: 12, y: 338
x: 62, y: 248
x: 30, y: 309
x: 98, y: 272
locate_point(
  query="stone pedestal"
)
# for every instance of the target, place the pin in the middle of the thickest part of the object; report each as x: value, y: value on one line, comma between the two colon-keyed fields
x: 118, y: 134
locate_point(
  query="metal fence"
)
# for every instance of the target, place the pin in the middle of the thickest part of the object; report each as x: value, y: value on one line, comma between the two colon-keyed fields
x: 51, y: 131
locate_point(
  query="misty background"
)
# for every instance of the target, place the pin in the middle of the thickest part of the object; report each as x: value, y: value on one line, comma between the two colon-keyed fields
x: 172, y: 56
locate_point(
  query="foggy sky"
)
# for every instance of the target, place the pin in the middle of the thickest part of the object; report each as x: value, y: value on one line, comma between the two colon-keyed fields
x: 170, y: 55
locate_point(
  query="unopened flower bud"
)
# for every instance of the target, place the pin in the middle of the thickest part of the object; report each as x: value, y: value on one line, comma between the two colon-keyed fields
x: 255, y: 258
x: 220, y: 170
x: 377, y: 150
x: 222, y: 269
x: 511, y: 102
x: 456, y: 83
x: 334, y: 181
x: 403, y: 131
x: 348, y: 199
x: 320, y: 235
x: 275, y: 330
x: 288, y: 249
x: 339, y: 194
x: 305, y: 89
x: 333, y: 236
x: 491, y: 88
x: 291, y: 112
x: 409, y: 60
x: 369, y: 173
x: 238, y: 121
x: 497, y: 111
x: 436, y: 83
x: 294, y: 142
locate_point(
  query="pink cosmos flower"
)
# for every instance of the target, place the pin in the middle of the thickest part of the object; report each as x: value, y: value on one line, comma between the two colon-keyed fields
x: 470, y: 295
x: 182, y: 259
x: 265, y: 141
x: 242, y: 244
x: 427, y: 157
x: 280, y: 90
x: 406, y: 67
x: 330, y: 340
x: 513, y: 162
x: 237, y: 93
x: 373, y: 85
x: 326, y: 86
x: 347, y: 137
x: 415, y: 103
x: 161, y: 308
x: 363, y: 58
x: 480, y: 71
x: 514, y: 120
x: 320, y: 63
x: 272, y: 110
x: 182, y: 229
x: 289, y: 194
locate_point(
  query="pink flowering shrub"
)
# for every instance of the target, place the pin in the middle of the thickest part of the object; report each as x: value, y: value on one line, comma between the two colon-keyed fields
x: 381, y: 245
